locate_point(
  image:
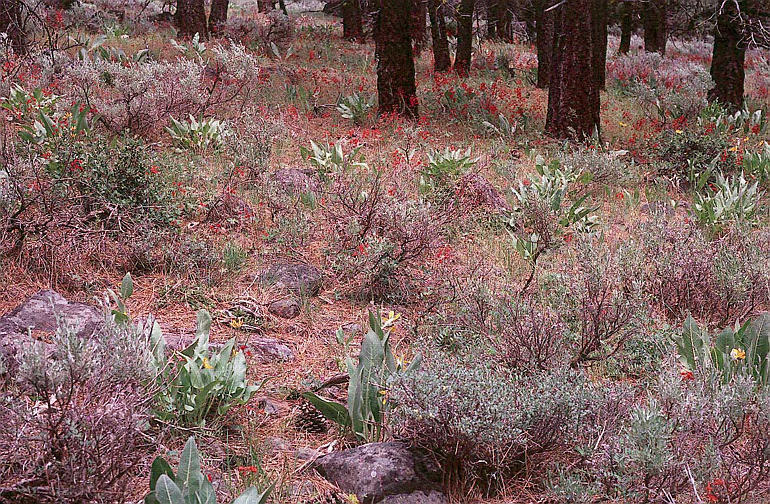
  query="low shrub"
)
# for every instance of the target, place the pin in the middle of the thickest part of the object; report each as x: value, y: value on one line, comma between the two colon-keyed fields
x: 74, y: 416
x: 486, y: 424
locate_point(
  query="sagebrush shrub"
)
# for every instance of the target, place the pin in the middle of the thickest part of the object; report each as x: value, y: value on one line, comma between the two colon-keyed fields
x: 377, y: 237
x: 717, y: 281
x: 74, y: 417
x: 486, y: 424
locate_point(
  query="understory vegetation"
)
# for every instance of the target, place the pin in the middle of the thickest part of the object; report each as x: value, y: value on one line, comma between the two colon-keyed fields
x: 552, y: 321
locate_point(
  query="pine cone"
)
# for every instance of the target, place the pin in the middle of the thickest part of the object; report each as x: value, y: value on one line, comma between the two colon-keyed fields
x: 309, y: 419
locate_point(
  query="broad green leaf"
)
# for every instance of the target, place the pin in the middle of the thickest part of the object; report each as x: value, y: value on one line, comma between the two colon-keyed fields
x: 189, y: 469
x: 167, y: 492
x: 334, y: 411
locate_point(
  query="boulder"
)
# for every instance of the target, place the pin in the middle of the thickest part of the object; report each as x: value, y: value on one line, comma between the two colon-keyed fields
x: 379, y: 471
x: 284, y: 308
x: 299, y: 278
x: 42, y: 312
x: 418, y: 497
x: 268, y: 349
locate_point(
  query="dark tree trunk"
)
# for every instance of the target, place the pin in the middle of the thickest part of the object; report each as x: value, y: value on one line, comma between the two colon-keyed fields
x: 218, y: 16
x: 599, y: 23
x: 396, y: 88
x: 419, y: 15
x: 492, y: 12
x: 282, y: 5
x: 265, y: 5
x: 190, y: 18
x: 441, y: 61
x: 573, y: 95
x: 544, y: 23
x: 464, y: 37
x: 626, y: 26
x: 729, y: 55
x: 352, y: 27
x: 654, y: 20
x: 12, y: 24
x: 504, y: 20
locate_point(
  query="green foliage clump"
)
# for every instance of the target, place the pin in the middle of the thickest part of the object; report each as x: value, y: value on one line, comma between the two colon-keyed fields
x: 367, y: 406
x: 189, y: 485
x: 199, y: 381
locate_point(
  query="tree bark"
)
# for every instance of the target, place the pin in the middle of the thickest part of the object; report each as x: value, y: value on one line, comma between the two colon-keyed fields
x: 492, y: 13
x: 419, y: 11
x: 265, y: 5
x: 654, y: 20
x: 504, y: 20
x: 190, y: 18
x: 573, y: 94
x: 728, y: 56
x: 352, y: 26
x: 441, y: 60
x: 12, y: 24
x: 626, y: 26
x: 218, y: 15
x: 396, y: 87
x: 544, y: 24
x: 599, y: 23
x: 464, y: 37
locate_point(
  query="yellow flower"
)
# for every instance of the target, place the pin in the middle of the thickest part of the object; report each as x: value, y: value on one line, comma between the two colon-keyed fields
x: 236, y: 323
x: 352, y: 499
x: 622, y: 124
x: 733, y: 148
x: 738, y: 354
x: 206, y: 364
x: 391, y: 319
x: 679, y: 131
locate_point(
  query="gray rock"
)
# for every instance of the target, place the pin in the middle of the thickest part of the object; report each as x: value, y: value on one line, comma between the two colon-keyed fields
x: 418, y: 497
x: 379, y: 470
x: 268, y: 349
x: 284, y: 308
x: 276, y: 444
x: 298, y: 278
x: 39, y: 313
x: 306, y: 453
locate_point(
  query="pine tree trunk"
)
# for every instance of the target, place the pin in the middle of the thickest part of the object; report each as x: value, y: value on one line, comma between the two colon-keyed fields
x: 265, y: 5
x: 492, y: 12
x: 626, y: 27
x: 544, y: 23
x: 396, y: 88
x: 654, y: 20
x: 419, y: 11
x: 441, y: 61
x: 464, y: 37
x: 573, y: 94
x: 11, y: 24
x: 352, y: 27
x: 599, y: 22
x: 218, y: 15
x: 728, y: 57
x: 190, y: 18
x: 504, y: 20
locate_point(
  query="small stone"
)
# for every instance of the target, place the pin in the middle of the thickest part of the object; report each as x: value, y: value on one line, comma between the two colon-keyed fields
x: 269, y: 349
x: 306, y: 453
x: 418, y: 497
x: 277, y: 444
x: 284, y: 308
